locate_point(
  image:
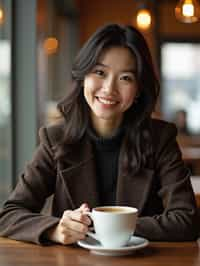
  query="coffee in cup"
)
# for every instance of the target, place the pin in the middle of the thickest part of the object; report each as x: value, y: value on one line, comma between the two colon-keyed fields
x: 113, y: 225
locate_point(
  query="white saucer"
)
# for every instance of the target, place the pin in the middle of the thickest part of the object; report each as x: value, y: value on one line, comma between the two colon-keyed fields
x: 95, y: 247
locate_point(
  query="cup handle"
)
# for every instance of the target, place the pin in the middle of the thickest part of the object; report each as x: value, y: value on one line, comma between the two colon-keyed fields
x: 89, y: 233
x: 93, y: 235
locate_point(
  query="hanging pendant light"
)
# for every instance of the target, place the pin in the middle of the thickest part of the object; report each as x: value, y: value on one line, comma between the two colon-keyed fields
x: 188, y: 11
x: 143, y: 17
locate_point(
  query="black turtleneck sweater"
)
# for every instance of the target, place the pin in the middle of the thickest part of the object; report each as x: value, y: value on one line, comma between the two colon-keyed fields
x: 106, y: 152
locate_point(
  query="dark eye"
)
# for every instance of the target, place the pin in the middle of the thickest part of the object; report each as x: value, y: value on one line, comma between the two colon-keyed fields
x: 99, y: 72
x: 126, y: 78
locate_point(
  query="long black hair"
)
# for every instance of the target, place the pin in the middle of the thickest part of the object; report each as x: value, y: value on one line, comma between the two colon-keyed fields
x: 75, y: 110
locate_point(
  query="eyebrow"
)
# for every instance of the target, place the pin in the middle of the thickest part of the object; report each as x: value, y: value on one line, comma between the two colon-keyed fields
x: 133, y: 71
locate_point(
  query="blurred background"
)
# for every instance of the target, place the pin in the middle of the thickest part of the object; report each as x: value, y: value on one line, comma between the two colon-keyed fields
x: 38, y: 42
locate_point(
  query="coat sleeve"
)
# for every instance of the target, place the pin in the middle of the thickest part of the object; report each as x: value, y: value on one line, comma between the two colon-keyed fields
x: 20, y: 217
x: 178, y: 222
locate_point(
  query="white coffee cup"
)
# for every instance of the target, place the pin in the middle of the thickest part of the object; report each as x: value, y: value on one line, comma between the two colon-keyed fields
x: 113, y: 225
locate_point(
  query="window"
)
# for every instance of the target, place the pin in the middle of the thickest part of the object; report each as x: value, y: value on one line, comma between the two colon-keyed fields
x: 5, y: 104
x: 180, y: 68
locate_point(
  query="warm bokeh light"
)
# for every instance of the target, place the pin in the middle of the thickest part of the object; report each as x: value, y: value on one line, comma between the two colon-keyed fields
x: 188, y: 11
x: 143, y: 19
x: 51, y: 45
x: 1, y: 16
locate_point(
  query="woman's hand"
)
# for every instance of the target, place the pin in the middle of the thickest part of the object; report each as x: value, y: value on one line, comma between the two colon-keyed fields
x: 72, y: 227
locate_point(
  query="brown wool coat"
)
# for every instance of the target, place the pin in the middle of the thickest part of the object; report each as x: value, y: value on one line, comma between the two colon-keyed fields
x: 161, y: 191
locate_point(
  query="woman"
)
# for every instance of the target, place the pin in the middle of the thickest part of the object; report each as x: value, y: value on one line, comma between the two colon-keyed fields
x: 106, y: 151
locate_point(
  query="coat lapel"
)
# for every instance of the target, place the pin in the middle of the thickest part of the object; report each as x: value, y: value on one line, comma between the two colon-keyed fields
x: 134, y: 190
x: 80, y: 179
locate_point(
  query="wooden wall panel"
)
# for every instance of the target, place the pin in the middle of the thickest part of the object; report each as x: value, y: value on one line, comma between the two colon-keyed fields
x: 170, y: 27
x: 94, y: 14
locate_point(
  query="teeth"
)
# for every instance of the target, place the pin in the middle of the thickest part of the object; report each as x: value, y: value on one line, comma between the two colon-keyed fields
x: 106, y: 101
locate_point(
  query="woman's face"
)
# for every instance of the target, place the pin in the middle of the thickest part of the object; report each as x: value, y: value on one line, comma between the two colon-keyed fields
x: 111, y: 86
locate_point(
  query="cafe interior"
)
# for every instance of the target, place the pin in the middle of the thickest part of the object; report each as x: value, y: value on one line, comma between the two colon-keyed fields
x: 38, y: 43
x: 39, y: 40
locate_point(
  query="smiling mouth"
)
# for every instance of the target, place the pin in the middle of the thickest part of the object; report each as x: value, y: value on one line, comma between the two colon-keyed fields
x: 106, y: 101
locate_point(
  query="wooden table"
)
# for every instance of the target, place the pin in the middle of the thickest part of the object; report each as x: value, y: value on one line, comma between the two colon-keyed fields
x: 13, y: 253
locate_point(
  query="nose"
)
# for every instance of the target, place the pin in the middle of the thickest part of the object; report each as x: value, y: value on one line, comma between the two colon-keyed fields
x: 109, y: 85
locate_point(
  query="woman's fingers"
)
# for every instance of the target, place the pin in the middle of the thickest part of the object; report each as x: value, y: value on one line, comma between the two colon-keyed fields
x: 69, y: 237
x: 72, y: 227
x: 77, y: 227
x: 75, y: 221
x: 78, y: 216
x: 81, y: 217
x: 84, y: 207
